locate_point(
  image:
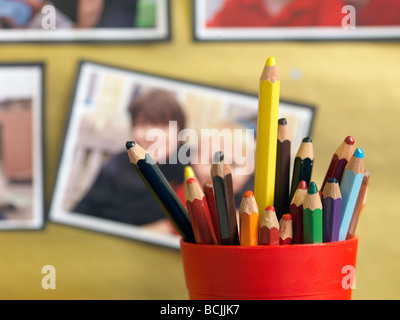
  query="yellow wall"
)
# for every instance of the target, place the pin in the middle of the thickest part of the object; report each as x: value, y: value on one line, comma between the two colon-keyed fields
x: 355, y: 87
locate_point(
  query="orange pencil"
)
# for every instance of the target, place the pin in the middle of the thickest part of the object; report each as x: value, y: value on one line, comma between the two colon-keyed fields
x: 285, y: 230
x: 269, y: 228
x: 365, y: 198
x: 248, y: 213
x: 199, y: 213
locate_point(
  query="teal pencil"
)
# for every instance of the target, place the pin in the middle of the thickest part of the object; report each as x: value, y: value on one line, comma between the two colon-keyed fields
x: 350, y: 187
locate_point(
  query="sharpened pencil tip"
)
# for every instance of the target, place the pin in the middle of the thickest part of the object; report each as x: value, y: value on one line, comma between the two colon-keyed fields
x: 271, y: 62
x: 130, y: 145
x: 307, y: 140
x: 302, y: 185
x: 249, y: 194
x: 218, y: 157
x: 191, y: 181
x: 287, y: 217
x: 312, y: 189
x: 282, y: 122
x: 332, y: 180
x: 349, y: 140
x: 270, y: 208
x: 359, y: 153
x: 188, y: 172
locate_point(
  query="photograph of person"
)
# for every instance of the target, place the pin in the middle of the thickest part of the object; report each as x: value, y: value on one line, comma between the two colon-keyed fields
x: 59, y: 20
x: 118, y: 192
x: 21, y: 172
x: 96, y: 186
x: 276, y: 13
x: 296, y: 19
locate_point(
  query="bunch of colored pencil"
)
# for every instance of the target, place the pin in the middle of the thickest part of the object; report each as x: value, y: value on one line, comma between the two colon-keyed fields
x: 296, y: 213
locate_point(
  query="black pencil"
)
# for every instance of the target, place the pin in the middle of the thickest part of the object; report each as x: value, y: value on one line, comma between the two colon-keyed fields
x: 282, y: 177
x: 161, y: 190
x: 303, y: 165
x: 225, y: 200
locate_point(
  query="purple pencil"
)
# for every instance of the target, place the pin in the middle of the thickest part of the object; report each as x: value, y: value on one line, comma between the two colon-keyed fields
x: 332, y: 210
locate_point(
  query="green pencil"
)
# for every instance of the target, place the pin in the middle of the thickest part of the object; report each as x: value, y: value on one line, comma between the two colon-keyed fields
x: 312, y: 216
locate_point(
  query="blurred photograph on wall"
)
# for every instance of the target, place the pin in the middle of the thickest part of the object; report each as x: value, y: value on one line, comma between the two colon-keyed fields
x: 84, y: 20
x: 256, y: 20
x: 21, y: 147
x: 97, y: 188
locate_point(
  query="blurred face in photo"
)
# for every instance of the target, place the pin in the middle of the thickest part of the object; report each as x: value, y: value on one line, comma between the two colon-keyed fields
x: 162, y: 137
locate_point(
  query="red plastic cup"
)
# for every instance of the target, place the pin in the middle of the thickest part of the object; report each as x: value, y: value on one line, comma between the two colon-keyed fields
x: 292, y: 272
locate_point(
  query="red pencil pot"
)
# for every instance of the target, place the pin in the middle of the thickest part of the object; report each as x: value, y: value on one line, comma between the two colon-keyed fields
x: 293, y: 272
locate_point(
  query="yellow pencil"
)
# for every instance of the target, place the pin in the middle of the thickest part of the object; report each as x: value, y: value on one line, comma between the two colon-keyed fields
x: 267, y: 135
x: 188, y: 173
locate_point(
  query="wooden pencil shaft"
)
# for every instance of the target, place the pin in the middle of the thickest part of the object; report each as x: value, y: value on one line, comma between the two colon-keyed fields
x: 231, y: 208
x: 283, y: 130
x: 312, y: 226
x: 249, y: 229
x: 332, y: 209
x: 209, y: 193
x: 312, y: 216
x: 223, y: 218
x: 166, y: 198
x: 269, y: 228
x: 358, y: 207
x: 269, y: 236
x: 350, y: 188
x: 339, y: 160
x: 285, y: 230
x: 201, y: 221
x: 297, y: 217
x: 161, y: 190
x: 267, y: 130
x: 281, y: 199
x: 248, y: 213
x: 193, y: 190
x: 296, y: 211
x: 226, y: 211
x: 302, y: 170
x: 303, y: 165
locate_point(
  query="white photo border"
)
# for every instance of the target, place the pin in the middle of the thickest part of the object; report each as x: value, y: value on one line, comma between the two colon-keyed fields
x: 38, y: 146
x: 162, y: 32
x: 201, y: 33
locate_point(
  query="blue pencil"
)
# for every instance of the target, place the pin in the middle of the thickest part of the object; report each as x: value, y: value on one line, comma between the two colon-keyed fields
x: 161, y: 190
x: 350, y: 187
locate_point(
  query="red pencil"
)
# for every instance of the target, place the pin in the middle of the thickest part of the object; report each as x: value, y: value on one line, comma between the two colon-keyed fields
x: 208, y: 189
x: 339, y: 160
x: 199, y: 213
x: 269, y: 228
x: 285, y: 230
x: 296, y: 211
